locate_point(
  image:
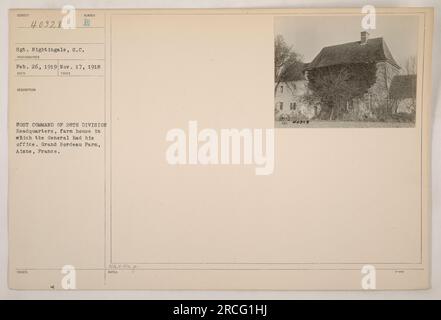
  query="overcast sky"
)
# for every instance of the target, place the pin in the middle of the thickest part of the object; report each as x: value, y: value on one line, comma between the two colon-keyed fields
x: 309, y: 34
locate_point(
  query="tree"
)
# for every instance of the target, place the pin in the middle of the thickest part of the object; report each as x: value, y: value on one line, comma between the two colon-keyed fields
x: 337, y: 85
x: 411, y: 65
x: 385, y: 75
x: 287, y: 63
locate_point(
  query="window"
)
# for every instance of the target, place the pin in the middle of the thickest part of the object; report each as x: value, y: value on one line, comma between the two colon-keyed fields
x: 281, y: 89
x: 281, y: 106
x: 292, y: 105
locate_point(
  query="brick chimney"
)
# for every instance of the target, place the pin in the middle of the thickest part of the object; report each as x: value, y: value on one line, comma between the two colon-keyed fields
x: 364, y: 37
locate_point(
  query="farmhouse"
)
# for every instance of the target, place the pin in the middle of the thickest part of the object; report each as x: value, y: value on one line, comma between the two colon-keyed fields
x: 351, y: 81
x: 290, y: 100
x: 353, y: 62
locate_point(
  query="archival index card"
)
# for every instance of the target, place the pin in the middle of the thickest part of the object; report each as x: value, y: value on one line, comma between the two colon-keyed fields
x: 267, y: 149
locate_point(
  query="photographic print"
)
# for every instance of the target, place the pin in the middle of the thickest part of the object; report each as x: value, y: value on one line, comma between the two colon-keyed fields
x: 143, y: 156
x: 329, y: 72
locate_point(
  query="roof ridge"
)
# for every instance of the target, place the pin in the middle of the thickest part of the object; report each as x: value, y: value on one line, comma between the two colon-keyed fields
x: 374, y: 50
x: 340, y: 44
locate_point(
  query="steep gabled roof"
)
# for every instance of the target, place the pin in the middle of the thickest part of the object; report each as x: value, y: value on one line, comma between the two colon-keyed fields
x: 374, y: 50
x: 403, y: 86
